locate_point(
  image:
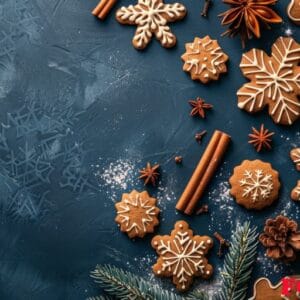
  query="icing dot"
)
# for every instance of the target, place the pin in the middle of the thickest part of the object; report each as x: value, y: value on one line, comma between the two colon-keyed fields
x: 155, y: 243
x: 180, y: 226
x: 159, y: 272
x: 207, y: 272
x: 205, y: 58
x: 208, y: 241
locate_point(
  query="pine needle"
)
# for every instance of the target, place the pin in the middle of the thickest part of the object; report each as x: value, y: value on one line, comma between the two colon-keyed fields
x: 239, y: 263
x: 125, y: 285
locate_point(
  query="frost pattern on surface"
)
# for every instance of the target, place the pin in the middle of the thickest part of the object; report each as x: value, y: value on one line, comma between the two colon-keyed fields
x: 257, y: 185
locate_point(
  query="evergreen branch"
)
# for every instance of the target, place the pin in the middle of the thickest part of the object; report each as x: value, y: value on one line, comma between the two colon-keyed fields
x: 125, y: 285
x: 238, y: 263
x: 100, y: 298
x: 197, y: 295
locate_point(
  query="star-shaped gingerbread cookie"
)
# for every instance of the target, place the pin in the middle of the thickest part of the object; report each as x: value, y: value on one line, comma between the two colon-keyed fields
x: 182, y: 256
x: 137, y: 214
x: 151, y: 17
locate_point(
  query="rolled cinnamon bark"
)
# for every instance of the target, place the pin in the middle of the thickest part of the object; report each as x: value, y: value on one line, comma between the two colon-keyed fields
x: 199, y: 171
x: 99, y: 7
x: 204, y: 172
x: 210, y: 171
x: 103, y: 8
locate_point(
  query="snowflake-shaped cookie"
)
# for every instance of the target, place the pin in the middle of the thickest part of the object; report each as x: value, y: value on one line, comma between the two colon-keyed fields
x: 151, y: 17
x: 254, y: 184
x: 137, y: 214
x: 295, y: 194
x: 275, y: 81
x: 204, y: 59
x: 182, y: 256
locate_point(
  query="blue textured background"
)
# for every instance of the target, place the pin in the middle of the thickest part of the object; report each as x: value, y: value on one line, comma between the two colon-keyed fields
x: 81, y: 112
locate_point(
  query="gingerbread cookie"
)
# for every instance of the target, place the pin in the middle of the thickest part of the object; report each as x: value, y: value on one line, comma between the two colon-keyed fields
x: 204, y: 59
x: 264, y: 290
x: 293, y: 11
x: 295, y: 194
x: 275, y: 81
x: 254, y: 184
x: 137, y: 214
x: 182, y: 256
x: 295, y: 156
x: 151, y: 17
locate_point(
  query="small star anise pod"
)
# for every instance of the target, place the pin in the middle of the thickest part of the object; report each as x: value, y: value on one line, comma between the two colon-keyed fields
x: 261, y: 139
x: 150, y: 174
x: 245, y: 16
x: 198, y: 107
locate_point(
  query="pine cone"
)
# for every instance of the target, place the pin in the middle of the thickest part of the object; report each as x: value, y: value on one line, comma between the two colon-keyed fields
x: 281, y: 238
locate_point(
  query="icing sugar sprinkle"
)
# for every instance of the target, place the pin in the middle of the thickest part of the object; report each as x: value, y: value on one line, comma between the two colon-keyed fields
x: 118, y: 175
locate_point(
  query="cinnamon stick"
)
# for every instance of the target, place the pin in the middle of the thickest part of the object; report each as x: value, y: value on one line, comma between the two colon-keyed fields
x: 199, y: 171
x: 204, y: 172
x: 103, y: 8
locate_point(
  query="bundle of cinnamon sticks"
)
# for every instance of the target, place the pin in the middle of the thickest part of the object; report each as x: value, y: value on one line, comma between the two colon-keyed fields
x: 103, y: 8
x: 203, y: 173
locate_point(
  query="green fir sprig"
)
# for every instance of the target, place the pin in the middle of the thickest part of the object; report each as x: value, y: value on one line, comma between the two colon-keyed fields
x: 238, y: 263
x: 236, y: 273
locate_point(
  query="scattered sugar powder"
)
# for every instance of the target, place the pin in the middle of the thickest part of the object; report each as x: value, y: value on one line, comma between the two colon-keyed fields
x: 269, y: 266
x: 223, y: 206
x: 117, y: 176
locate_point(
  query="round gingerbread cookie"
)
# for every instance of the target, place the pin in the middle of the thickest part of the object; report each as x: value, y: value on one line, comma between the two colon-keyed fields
x: 137, y: 214
x: 254, y: 184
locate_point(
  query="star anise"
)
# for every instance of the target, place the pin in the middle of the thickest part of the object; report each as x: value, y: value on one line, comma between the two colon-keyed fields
x: 245, y: 16
x: 150, y: 174
x: 261, y: 139
x: 199, y: 106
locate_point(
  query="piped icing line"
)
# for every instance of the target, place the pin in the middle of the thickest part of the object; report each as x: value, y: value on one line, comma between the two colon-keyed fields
x: 257, y: 185
x: 290, y: 8
x: 272, y: 83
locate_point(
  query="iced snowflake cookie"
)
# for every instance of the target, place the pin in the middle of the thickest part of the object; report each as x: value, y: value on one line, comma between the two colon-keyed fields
x: 295, y: 156
x: 204, y: 59
x: 254, y: 184
x: 295, y: 194
x: 151, y: 17
x: 137, y: 214
x: 275, y: 81
x: 182, y: 256
x: 293, y: 11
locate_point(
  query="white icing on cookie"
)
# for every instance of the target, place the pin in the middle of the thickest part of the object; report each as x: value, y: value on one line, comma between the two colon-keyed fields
x: 129, y: 205
x: 151, y: 16
x: 257, y: 185
x: 275, y: 80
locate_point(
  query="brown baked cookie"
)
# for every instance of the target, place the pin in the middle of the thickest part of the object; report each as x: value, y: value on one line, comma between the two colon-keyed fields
x: 204, y: 59
x: 254, y: 184
x: 151, y: 17
x: 295, y: 194
x: 274, y: 81
x: 182, y: 256
x: 137, y: 214
x: 295, y: 156
x: 293, y: 11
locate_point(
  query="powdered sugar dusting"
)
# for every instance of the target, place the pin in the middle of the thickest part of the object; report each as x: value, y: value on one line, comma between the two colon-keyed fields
x: 224, y: 206
x: 118, y: 176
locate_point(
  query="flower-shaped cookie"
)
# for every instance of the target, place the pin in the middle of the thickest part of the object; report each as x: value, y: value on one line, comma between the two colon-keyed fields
x: 182, y: 256
x: 254, y: 184
x: 275, y: 81
x: 204, y: 59
x: 295, y: 194
x: 295, y: 157
x: 151, y: 17
x: 137, y: 214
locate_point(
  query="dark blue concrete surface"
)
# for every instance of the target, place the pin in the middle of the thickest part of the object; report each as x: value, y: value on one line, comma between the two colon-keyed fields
x: 81, y: 112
